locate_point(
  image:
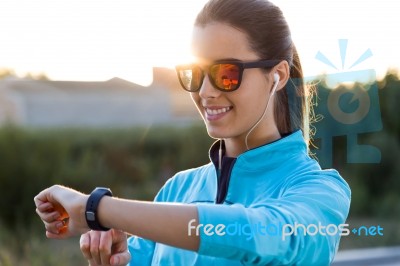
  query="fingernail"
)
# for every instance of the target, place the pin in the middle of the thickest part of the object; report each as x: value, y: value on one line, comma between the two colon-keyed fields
x: 115, y: 261
x: 56, y: 216
x: 59, y: 225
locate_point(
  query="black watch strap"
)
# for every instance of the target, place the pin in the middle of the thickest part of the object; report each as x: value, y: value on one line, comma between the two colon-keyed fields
x: 91, y: 208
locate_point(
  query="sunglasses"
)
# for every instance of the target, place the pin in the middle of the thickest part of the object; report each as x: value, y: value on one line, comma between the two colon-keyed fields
x: 224, y: 75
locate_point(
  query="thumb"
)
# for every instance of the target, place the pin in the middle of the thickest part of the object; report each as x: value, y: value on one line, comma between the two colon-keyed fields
x: 120, y: 259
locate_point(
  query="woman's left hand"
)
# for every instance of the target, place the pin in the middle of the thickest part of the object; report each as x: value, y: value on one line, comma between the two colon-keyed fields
x: 105, y: 248
x: 62, y: 211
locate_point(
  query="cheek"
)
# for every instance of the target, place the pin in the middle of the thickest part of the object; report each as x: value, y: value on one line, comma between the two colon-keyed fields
x: 253, y: 96
x: 196, y: 100
x: 195, y: 97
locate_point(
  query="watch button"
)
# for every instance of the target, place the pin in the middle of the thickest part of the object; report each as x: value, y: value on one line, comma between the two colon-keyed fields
x: 90, y: 216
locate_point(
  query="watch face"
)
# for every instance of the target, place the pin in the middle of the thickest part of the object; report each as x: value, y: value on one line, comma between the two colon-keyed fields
x: 90, y: 216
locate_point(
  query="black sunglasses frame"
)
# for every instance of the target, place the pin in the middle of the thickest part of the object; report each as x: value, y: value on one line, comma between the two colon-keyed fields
x: 240, y: 64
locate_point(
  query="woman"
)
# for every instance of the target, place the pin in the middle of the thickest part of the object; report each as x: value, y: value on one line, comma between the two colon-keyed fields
x: 256, y: 201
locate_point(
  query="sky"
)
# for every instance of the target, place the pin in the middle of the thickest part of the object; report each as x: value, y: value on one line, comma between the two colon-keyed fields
x: 99, y: 40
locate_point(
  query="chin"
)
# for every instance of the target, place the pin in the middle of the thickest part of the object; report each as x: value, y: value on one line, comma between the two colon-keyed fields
x: 216, y: 134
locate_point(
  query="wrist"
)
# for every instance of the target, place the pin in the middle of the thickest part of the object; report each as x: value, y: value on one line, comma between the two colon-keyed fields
x: 92, y: 208
x: 103, y: 212
x: 83, y: 213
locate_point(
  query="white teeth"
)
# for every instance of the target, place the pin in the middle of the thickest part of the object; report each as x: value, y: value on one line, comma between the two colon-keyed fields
x: 217, y: 111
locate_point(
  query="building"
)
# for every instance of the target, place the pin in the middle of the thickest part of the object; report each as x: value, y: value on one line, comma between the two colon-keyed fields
x: 112, y: 103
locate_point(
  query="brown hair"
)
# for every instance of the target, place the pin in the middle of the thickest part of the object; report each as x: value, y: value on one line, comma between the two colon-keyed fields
x: 269, y: 36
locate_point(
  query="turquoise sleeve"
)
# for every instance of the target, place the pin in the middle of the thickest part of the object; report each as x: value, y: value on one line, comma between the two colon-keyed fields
x: 259, y: 234
x: 141, y: 251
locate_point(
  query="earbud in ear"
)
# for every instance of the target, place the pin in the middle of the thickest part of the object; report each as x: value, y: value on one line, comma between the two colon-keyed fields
x: 276, y: 82
x: 276, y: 78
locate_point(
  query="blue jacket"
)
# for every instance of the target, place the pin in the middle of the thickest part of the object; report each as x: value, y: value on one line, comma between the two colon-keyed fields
x: 273, y: 190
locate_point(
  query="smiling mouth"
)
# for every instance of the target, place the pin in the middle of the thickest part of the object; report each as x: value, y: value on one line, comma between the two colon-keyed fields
x: 217, y: 111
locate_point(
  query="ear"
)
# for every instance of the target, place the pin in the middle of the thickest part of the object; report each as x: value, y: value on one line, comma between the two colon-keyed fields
x: 283, y: 71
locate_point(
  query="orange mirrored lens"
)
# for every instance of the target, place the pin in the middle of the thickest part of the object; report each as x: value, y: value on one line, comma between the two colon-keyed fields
x: 225, y: 76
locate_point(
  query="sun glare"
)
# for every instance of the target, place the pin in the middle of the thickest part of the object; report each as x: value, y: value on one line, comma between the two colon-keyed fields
x: 82, y: 40
x: 85, y: 40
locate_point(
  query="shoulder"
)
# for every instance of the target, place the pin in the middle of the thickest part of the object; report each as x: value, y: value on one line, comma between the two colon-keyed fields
x: 306, y: 168
x: 323, y: 185
x: 190, y: 176
x: 304, y: 175
x: 179, y: 187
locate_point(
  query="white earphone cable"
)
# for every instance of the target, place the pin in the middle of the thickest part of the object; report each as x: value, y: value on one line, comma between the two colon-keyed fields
x: 276, y: 82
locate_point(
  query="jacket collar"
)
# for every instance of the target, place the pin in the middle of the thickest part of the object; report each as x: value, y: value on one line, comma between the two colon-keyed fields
x: 266, y: 156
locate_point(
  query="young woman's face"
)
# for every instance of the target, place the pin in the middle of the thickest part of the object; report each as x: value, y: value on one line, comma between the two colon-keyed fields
x: 231, y: 114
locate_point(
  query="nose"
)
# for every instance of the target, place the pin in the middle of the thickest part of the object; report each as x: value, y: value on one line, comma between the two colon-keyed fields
x: 207, y: 90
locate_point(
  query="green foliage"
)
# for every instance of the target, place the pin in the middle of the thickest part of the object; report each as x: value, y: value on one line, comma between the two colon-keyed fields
x: 28, y: 246
x: 133, y: 162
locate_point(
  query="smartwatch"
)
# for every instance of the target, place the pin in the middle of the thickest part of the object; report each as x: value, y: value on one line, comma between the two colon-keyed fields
x: 91, y: 208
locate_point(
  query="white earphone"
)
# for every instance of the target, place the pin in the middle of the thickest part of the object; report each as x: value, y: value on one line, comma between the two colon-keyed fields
x: 276, y: 82
x: 276, y: 77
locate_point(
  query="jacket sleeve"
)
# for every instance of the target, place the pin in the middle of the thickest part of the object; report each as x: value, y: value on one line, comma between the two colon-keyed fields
x: 141, y: 251
x: 260, y: 234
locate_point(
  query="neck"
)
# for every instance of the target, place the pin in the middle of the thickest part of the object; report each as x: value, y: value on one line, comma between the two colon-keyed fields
x: 236, y: 145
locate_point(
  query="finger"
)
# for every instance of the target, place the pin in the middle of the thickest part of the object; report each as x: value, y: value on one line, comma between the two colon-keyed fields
x: 120, y: 259
x: 92, y: 263
x: 120, y: 243
x: 53, y: 235
x: 62, y: 234
x: 119, y: 238
x: 45, y: 207
x: 120, y: 249
x: 45, y: 203
x: 49, y: 195
x: 49, y: 216
x: 105, y: 247
x: 38, y: 200
x: 84, y: 243
x: 94, y: 246
x: 55, y: 228
x: 41, y: 197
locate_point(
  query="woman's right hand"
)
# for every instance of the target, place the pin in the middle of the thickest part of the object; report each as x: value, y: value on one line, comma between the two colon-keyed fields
x: 105, y: 248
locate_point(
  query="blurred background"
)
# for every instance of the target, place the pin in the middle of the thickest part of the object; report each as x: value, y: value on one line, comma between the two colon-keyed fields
x: 89, y: 97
